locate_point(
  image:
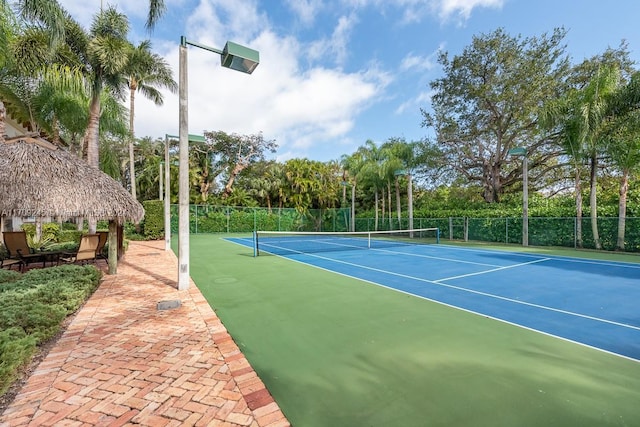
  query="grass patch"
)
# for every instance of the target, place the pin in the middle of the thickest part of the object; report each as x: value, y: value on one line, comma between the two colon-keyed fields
x: 33, y: 307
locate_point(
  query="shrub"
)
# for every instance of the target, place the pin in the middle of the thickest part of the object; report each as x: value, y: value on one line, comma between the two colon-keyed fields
x: 32, y: 308
x: 15, y: 348
x: 70, y: 236
x: 153, y: 224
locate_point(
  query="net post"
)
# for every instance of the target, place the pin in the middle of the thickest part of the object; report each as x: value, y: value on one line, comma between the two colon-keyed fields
x: 368, y: 240
x: 255, y: 243
x: 438, y: 235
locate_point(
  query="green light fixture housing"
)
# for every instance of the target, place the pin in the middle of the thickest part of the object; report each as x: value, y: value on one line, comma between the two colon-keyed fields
x: 518, y: 151
x: 239, y: 58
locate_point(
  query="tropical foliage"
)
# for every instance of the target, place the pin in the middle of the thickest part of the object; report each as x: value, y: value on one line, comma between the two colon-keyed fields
x: 578, y: 124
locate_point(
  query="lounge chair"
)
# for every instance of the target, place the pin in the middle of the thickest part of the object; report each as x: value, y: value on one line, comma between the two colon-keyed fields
x: 86, y: 251
x: 104, y: 236
x: 16, y: 244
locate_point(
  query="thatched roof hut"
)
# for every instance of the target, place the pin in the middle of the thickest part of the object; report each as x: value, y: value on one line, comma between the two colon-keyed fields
x: 37, y: 179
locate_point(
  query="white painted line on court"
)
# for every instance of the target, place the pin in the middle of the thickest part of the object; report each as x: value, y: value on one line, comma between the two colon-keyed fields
x: 477, y: 273
x: 439, y: 258
x: 459, y: 288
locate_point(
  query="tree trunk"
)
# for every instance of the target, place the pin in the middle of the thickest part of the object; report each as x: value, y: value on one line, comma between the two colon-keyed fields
x: 398, y: 203
x: 375, y: 226
x: 92, y: 134
x: 593, y: 204
x: 3, y: 126
x: 384, y: 205
x: 132, y: 168
x: 622, y: 209
x: 578, y: 190
x: 389, y: 204
x: 234, y: 173
x: 492, y: 182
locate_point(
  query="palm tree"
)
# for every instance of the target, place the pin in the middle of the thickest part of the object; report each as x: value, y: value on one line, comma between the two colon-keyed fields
x: 107, y: 56
x: 623, y: 149
x: 592, y: 113
x: 145, y: 72
x: 581, y: 117
x: 370, y: 172
x: 623, y: 143
x: 352, y: 165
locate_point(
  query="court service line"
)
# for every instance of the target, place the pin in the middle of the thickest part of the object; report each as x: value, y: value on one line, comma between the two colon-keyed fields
x: 577, y: 260
x: 436, y: 257
x: 459, y: 288
x: 477, y: 273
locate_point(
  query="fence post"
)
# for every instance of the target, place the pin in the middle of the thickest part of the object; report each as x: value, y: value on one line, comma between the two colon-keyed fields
x: 506, y: 230
x: 466, y: 229
x: 450, y: 228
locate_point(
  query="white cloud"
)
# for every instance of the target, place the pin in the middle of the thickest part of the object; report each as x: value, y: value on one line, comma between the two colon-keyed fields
x: 306, y: 10
x: 414, y: 103
x: 416, y: 10
x: 463, y: 8
x: 336, y: 47
x: 299, y: 108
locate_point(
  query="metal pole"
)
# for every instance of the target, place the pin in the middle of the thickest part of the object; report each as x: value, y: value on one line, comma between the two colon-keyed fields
x: 167, y: 197
x: 525, y: 201
x: 183, y: 188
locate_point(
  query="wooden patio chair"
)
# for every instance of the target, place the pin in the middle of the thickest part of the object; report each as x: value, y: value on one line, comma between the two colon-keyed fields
x: 86, y: 251
x: 16, y: 244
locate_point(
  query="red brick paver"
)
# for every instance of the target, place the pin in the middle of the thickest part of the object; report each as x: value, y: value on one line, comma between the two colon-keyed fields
x: 122, y: 362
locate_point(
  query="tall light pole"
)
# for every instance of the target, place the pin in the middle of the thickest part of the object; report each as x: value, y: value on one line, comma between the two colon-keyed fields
x: 167, y: 184
x: 167, y: 195
x: 521, y: 151
x: 235, y: 57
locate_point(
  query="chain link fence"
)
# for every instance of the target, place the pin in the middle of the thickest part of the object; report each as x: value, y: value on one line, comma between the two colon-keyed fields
x: 543, y: 231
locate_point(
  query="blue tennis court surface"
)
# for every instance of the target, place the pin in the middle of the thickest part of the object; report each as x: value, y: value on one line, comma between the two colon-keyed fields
x: 594, y: 303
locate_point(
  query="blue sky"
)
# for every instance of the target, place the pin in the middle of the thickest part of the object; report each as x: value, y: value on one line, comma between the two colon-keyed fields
x: 336, y: 73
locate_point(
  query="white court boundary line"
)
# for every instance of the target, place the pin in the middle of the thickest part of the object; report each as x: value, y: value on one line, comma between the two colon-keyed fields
x: 462, y: 308
x: 577, y: 260
x: 459, y: 288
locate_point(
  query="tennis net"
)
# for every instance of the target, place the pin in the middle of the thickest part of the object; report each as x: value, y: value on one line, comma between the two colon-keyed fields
x: 286, y: 243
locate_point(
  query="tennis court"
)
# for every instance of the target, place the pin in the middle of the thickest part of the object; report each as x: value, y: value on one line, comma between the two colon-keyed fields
x: 420, y: 335
x: 590, y: 302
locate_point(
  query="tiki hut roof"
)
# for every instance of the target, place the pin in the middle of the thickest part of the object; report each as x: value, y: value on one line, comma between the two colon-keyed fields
x: 39, y: 179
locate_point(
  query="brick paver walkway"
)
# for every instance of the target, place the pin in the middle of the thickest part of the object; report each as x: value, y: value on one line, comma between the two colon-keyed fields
x: 123, y: 362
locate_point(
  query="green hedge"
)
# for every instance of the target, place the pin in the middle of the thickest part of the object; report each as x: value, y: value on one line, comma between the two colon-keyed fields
x: 33, y: 306
x: 153, y: 224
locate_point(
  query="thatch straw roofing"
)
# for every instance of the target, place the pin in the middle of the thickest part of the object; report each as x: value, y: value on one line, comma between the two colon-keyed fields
x: 37, y: 179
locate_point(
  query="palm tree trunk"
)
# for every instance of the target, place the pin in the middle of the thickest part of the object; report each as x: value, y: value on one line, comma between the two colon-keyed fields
x: 93, y: 142
x: 389, y: 204
x: 578, y: 190
x: 3, y: 113
x: 593, y: 204
x: 132, y: 168
x: 92, y: 134
x: 398, y: 208
x: 375, y: 227
x: 622, y: 209
x: 383, y: 204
